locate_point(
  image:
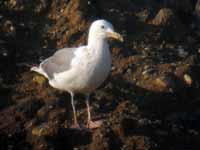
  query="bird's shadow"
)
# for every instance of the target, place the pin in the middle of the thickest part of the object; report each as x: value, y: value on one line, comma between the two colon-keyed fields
x: 69, y: 138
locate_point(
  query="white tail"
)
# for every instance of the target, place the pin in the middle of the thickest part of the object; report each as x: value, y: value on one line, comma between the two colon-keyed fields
x: 34, y: 69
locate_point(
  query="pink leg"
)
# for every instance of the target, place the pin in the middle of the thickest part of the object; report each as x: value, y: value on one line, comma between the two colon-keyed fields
x: 75, y: 125
x: 91, y: 124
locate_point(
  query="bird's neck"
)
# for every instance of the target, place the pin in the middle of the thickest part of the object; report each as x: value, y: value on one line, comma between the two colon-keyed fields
x: 97, y: 43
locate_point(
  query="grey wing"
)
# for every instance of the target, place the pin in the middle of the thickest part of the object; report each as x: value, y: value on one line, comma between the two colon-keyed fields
x: 59, y: 62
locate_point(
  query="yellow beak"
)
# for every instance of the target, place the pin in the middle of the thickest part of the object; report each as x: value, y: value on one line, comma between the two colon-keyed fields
x: 116, y: 35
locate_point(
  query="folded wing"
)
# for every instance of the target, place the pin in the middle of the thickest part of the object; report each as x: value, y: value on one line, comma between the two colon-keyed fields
x: 59, y: 62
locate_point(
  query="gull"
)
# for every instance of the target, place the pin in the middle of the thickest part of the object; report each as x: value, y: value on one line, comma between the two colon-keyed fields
x: 82, y: 69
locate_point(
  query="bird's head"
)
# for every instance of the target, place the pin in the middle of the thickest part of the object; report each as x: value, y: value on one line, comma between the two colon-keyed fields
x: 103, y: 29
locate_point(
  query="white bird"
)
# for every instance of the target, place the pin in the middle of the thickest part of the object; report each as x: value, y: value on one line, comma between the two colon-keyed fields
x: 81, y: 69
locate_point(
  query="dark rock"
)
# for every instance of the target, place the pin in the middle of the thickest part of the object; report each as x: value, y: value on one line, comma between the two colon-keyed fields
x: 106, y: 139
x: 28, y: 108
x: 164, y: 17
x: 166, y: 83
x: 197, y: 12
x: 197, y: 9
x: 99, y: 141
x: 72, y: 138
x: 171, y: 26
x: 184, y: 5
x: 7, y: 121
x: 42, y: 113
x: 49, y: 129
x: 181, y: 70
x: 41, y: 6
x: 57, y: 115
x: 188, y: 80
x: 22, y: 5
x: 136, y: 142
x: 9, y: 28
x: 30, y: 124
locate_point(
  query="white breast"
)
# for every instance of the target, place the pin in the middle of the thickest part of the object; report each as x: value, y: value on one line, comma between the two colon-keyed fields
x: 100, y: 66
x: 89, y: 70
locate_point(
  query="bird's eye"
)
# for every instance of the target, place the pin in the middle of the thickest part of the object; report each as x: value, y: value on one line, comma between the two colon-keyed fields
x: 102, y: 27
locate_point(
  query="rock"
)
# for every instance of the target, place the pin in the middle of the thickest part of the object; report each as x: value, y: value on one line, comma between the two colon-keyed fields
x: 166, y: 83
x: 41, y: 5
x: 129, y: 126
x: 41, y: 144
x: 143, y: 15
x: 30, y: 124
x: 136, y: 142
x: 39, y: 79
x: 182, y: 52
x: 188, y: 79
x: 149, y: 71
x: 7, y: 121
x: 197, y: 9
x: 191, y: 40
x: 99, y: 141
x: 181, y: 71
x: 126, y: 105
x: 57, y: 115
x: 197, y: 13
x: 171, y: 26
x: 22, y: 5
x: 184, y: 5
x: 9, y: 28
x: 42, y: 113
x: 27, y: 108
x: 46, y: 129
x: 120, y: 123
x: 164, y: 17
x: 70, y: 23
